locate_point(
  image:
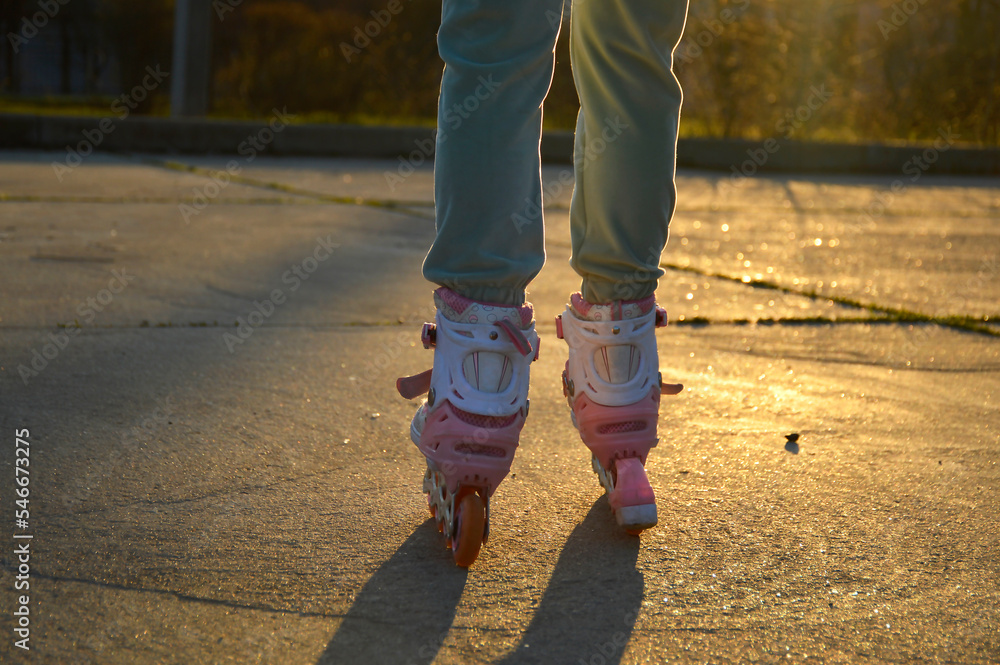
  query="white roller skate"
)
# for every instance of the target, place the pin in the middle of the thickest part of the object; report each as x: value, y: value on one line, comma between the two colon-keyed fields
x: 477, y: 400
x: 613, y: 384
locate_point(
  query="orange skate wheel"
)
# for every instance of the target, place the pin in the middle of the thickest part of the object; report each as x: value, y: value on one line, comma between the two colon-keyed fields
x: 471, y: 524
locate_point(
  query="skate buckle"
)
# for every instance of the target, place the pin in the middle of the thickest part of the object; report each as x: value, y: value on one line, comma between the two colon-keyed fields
x: 568, y: 387
x: 428, y: 335
x: 661, y: 317
x: 559, y: 330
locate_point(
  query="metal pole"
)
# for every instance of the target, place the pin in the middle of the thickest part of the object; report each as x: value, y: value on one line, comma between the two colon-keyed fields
x: 192, y: 58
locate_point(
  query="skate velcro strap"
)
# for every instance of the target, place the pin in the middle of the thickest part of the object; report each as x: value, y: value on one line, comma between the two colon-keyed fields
x: 428, y: 335
x: 661, y: 317
x: 517, y: 337
x: 414, y: 386
x: 671, y: 388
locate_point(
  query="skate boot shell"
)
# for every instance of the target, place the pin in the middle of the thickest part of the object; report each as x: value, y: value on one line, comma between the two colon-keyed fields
x: 613, y: 385
x: 470, y: 423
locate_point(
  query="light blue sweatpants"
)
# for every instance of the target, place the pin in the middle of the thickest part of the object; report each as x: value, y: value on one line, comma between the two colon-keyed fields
x: 499, y: 58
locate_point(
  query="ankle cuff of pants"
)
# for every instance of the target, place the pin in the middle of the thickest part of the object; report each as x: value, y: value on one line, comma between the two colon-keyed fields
x: 602, y: 292
x: 492, y: 295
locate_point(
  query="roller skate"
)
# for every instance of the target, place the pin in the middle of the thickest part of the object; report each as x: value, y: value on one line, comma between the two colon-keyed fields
x: 613, y: 384
x: 477, y: 399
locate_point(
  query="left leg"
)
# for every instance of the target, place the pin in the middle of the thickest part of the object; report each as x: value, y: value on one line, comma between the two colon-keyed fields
x: 626, y: 142
x: 625, y: 154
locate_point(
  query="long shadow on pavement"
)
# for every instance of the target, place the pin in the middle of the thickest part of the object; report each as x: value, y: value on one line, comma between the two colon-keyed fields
x: 410, y: 601
x: 592, y: 600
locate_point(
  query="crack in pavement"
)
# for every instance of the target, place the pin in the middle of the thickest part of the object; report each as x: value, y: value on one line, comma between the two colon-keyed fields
x: 186, y: 597
x: 883, y: 313
x: 693, y: 322
x: 961, y: 322
x: 12, y: 568
x: 243, y: 489
x: 784, y: 355
x: 27, y: 198
x: 390, y: 205
x: 309, y: 197
x: 713, y: 208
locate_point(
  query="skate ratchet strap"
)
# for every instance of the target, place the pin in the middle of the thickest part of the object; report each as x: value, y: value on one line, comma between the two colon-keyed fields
x: 517, y: 337
x: 414, y: 386
x: 428, y: 335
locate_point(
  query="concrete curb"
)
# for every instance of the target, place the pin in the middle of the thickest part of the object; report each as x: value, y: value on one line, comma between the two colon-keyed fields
x: 415, y: 145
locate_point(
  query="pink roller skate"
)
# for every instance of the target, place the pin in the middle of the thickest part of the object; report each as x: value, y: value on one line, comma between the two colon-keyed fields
x: 477, y: 400
x: 613, y: 385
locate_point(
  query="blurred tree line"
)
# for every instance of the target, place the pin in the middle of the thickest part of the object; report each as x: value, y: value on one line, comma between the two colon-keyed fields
x: 845, y: 70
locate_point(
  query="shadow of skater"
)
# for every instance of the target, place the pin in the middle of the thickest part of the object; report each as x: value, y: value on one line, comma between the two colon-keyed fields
x: 592, y: 601
x: 403, y: 613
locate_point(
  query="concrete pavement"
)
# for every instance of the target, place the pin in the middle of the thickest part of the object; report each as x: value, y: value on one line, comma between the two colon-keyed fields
x: 201, y: 496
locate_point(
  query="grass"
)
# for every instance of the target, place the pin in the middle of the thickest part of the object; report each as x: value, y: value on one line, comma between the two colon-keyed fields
x: 85, y: 106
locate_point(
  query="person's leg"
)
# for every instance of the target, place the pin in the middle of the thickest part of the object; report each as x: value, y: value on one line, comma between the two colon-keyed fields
x: 499, y: 57
x: 625, y: 151
x: 626, y: 142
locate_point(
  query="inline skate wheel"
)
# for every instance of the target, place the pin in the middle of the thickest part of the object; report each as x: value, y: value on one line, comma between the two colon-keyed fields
x: 471, y: 524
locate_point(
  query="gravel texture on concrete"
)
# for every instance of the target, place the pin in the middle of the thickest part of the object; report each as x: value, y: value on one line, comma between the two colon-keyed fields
x: 200, y: 497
